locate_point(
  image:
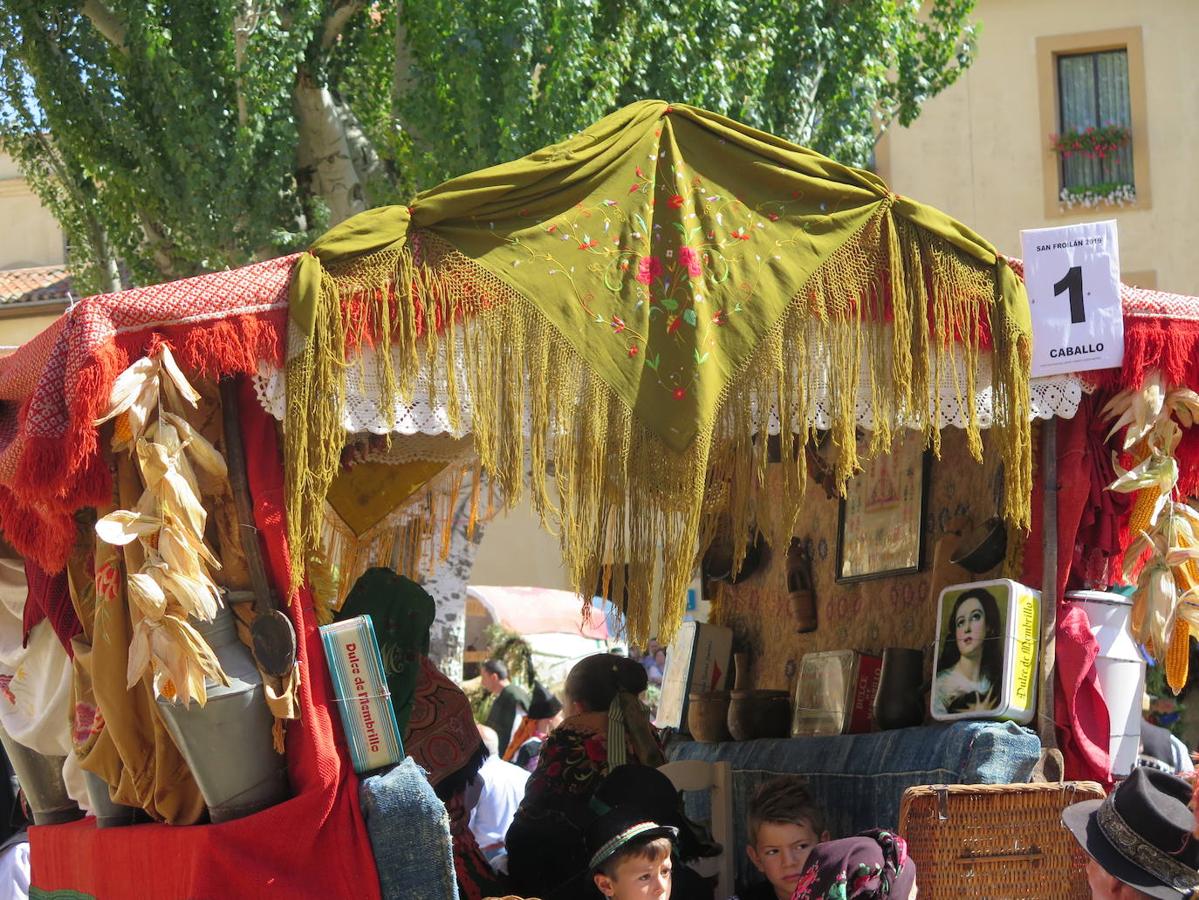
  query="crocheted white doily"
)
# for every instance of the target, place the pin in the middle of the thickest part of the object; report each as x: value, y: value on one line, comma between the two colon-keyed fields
x: 1057, y: 396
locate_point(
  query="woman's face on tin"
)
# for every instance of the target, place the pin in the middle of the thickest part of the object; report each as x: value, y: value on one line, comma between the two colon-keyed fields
x: 970, y: 628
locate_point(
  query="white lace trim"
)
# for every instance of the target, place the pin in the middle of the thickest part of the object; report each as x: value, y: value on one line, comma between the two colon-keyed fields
x: 1058, y: 396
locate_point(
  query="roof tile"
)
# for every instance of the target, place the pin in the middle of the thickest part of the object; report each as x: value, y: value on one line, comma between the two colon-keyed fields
x: 35, y: 284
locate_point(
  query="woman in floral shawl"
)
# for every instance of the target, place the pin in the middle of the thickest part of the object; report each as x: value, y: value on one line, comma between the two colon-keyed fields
x: 872, y: 866
x: 607, y: 726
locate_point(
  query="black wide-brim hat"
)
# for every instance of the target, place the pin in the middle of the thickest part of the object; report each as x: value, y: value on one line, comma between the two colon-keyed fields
x: 1142, y: 834
x: 616, y: 829
x: 543, y: 704
x: 647, y: 792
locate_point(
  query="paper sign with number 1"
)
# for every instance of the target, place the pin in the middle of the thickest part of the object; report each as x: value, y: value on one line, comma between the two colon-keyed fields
x: 1072, y: 274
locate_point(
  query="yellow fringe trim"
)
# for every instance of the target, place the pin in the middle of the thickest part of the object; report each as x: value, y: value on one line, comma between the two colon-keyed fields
x: 412, y: 542
x: 624, y: 497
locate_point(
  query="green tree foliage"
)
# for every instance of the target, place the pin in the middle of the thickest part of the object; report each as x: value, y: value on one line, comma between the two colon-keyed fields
x: 495, y: 79
x: 187, y: 135
x: 145, y: 120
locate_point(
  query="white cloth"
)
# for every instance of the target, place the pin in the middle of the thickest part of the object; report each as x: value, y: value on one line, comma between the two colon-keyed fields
x: 1182, y: 757
x: 503, y: 789
x: 14, y: 872
x: 35, y: 682
x: 951, y: 684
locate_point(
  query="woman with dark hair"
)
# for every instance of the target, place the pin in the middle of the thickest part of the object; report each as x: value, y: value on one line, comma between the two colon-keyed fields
x: 971, y: 661
x: 606, y: 726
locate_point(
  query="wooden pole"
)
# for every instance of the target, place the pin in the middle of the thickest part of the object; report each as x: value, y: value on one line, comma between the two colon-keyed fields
x: 1045, y: 723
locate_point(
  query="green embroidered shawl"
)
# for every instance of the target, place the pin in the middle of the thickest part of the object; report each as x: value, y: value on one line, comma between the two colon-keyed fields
x: 642, y: 295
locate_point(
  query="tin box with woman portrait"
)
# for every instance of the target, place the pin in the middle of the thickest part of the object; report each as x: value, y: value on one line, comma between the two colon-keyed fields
x: 986, y: 656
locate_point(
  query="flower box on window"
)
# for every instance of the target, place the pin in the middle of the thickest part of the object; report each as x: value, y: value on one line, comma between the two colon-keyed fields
x: 1095, y: 143
x: 1111, y: 193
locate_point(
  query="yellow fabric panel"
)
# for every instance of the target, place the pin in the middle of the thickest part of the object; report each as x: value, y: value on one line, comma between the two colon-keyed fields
x: 366, y: 494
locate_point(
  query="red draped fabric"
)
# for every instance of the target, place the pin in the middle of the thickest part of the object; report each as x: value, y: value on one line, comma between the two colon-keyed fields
x: 1080, y: 713
x: 314, y: 845
x: 54, y: 387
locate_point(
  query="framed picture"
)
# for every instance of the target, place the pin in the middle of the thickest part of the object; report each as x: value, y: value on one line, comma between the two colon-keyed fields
x: 698, y: 660
x: 880, y: 529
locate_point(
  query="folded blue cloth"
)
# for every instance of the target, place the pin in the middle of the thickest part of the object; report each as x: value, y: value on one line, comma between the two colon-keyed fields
x: 409, y: 830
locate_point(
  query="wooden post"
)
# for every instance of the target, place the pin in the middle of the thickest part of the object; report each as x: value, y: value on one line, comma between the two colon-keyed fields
x: 1045, y: 693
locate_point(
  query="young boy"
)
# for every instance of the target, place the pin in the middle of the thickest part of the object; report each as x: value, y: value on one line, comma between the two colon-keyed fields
x: 784, y: 825
x: 630, y: 857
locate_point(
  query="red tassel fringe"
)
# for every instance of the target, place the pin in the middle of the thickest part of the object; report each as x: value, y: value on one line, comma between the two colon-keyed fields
x: 56, y: 476
x: 34, y: 533
x: 1171, y: 345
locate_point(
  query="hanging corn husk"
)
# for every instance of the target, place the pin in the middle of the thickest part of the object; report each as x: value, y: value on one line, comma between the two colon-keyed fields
x: 1165, y: 608
x: 174, y: 582
x: 1150, y: 409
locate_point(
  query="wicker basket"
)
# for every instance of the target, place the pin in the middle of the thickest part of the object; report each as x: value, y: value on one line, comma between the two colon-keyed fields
x: 992, y: 841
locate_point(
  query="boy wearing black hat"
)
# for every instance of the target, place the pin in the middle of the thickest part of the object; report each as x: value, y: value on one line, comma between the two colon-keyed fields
x: 1139, y: 839
x: 631, y: 858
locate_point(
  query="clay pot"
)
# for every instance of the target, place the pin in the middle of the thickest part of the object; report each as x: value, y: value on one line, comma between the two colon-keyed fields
x: 718, y: 560
x: 708, y: 716
x: 899, y: 702
x: 759, y: 714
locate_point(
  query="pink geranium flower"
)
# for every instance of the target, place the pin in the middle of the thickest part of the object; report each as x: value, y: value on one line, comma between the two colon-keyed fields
x: 691, y: 261
x: 649, y: 268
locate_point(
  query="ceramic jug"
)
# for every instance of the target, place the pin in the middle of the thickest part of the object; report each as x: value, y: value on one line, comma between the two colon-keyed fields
x: 899, y: 701
x: 227, y: 742
x: 800, y: 590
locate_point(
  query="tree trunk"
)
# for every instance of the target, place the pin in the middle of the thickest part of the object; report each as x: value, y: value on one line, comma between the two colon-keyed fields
x: 106, y: 262
x: 326, y: 167
x: 363, y: 156
x: 402, y: 81
x: 448, y: 587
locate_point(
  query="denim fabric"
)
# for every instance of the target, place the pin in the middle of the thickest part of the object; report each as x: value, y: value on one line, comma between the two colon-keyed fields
x: 859, y: 779
x: 410, y: 833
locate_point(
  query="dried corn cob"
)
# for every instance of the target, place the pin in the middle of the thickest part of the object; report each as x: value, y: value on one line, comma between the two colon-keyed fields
x: 1142, y: 510
x: 1178, y: 655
